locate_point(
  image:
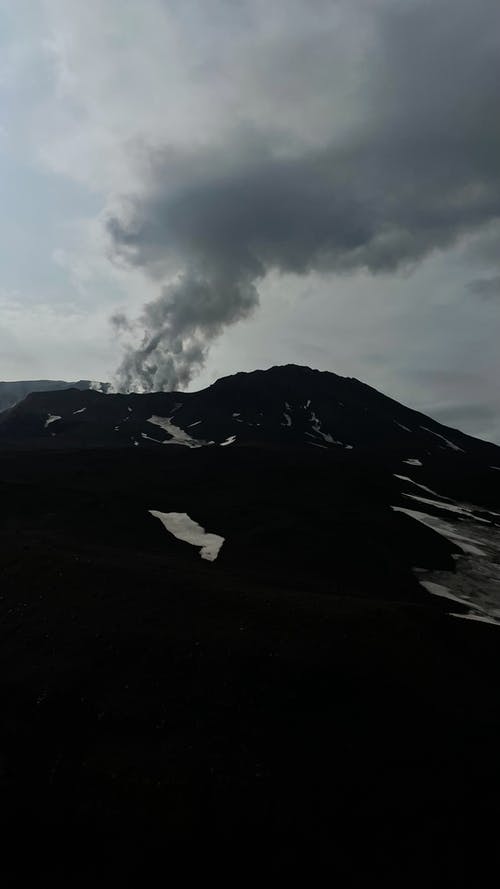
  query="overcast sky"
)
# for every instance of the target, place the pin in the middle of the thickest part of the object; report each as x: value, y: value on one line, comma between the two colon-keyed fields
x: 195, y: 187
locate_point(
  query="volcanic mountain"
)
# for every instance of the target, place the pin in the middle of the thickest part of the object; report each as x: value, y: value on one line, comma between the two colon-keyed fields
x: 286, y: 407
x: 237, y: 616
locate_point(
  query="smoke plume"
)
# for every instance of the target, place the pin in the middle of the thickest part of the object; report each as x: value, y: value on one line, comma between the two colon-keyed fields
x: 416, y: 168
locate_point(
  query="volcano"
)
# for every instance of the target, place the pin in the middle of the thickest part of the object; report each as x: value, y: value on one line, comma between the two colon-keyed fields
x: 264, y: 615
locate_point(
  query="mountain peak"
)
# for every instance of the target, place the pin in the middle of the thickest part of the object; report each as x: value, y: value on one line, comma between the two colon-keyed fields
x: 285, y: 406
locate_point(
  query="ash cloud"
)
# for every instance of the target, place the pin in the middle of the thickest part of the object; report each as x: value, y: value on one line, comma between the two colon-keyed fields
x: 416, y: 168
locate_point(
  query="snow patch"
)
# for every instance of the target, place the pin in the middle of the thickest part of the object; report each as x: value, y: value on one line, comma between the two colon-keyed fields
x: 412, y: 461
x: 447, y: 441
x: 401, y: 426
x: 475, y: 580
x: 52, y: 419
x: 184, y: 528
x: 316, y: 425
x: 288, y: 420
x: 228, y: 441
x: 481, y: 617
x: 449, y: 507
x: 445, y: 529
x: 82, y: 409
x: 406, y: 478
x: 178, y: 435
x: 438, y: 589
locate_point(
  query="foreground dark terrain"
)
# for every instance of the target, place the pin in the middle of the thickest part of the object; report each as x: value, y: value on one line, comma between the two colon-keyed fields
x: 300, y: 702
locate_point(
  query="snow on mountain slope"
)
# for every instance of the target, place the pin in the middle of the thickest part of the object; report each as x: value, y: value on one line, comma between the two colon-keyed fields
x: 177, y: 435
x: 475, y: 531
x: 285, y: 406
x: 446, y: 498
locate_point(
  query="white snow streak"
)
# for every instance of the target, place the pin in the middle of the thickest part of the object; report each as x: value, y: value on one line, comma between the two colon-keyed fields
x: 475, y: 582
x: 481, y: 617
x: 179, y: 436
x: 445, y: 529
x: 449, y: 507
x: 438, y: 589
x: 82, y: 409
x: 316, y: 425
x: 184, y: 528
x: 447, y: 441
x: 228, y: 441
x: 406, y: 478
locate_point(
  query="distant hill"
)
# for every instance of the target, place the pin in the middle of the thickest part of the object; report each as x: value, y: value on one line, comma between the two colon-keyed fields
x: 13, y: 391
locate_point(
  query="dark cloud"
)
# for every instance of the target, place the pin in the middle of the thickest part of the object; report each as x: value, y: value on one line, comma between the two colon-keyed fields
x: 120, y: 322
x: 486, y: 288
x: 416, y: 168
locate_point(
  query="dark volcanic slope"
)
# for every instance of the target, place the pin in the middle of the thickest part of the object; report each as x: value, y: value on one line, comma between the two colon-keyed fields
x: 286, y: 406
x: 300, y: 700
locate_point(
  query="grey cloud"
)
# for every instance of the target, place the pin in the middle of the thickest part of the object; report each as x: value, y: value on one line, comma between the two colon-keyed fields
x: 460, y: 413
x: 486, y: 288
x: 477, y: 419
x: 417, y: 169
x: 120, y: 322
